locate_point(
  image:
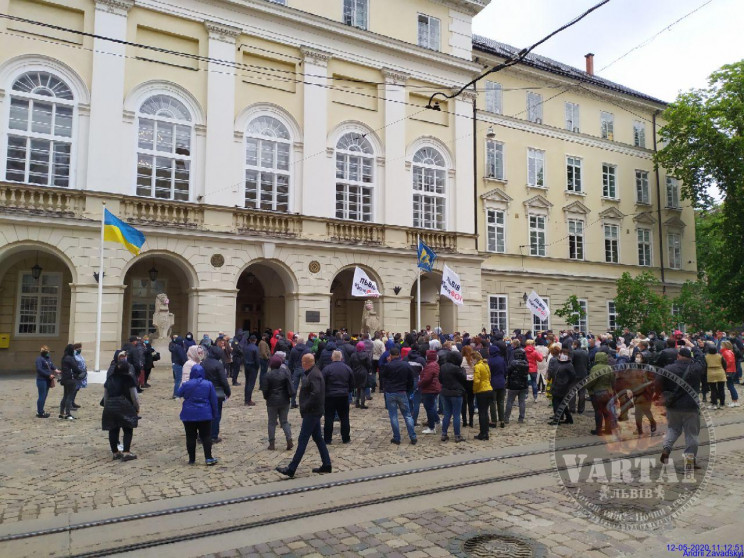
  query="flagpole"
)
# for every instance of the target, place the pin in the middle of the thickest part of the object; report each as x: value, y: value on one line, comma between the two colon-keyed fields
x: 100, y: 295
x: 418, y: 287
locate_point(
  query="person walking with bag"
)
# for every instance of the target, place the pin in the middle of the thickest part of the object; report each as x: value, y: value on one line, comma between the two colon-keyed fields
x: 198, y: 410
x: 214, y: 371
x: 120, y: 410
x: 45, y: 372
x: 70, y: 372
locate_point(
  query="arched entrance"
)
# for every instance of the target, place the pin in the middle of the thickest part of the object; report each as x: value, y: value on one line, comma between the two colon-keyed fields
x: 36, y: 303
x: 346, y: 310
x: 150, y: 275
x: 265, y: 298
x: 436, y: 310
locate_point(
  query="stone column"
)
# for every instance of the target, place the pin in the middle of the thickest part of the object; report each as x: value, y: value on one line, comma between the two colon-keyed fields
x: 313, y: 302
x: 106, y: 129
x: 83, y: 309
x: 397, y: 312
x: 461, y: 212
x: 397, y: 209
x: 221, y: 167
x: 318, y: 197
x: 215, y: 310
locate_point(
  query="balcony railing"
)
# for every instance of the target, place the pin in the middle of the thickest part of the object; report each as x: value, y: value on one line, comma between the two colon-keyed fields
x: 149, y: 211
x: 356, y: 233
x: 435, y: 240
x: 41, y: 200
x: 273, y: 224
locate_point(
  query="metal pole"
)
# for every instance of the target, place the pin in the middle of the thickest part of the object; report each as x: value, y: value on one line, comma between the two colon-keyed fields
x: 418, y: 288
x: 100, y: 295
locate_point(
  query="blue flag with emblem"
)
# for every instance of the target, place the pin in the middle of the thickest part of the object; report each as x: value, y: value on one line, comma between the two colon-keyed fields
x: 426, y: 256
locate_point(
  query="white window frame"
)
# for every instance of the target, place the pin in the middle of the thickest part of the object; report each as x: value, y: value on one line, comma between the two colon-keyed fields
x: 537, y: 323
x: 676, y: 311
x: 643, y: 195
x: 672, y: 193
x: 493, y: 226
x: 191, y: 158
x: 29, y: 135
x: 574, y: 173
x: 639, y: 134
x: 535, y: 248
x: 584, y: 322
x: 611, y: 240
x: 499, y: 311
x: 57, y: 276
x: 346, y: 156
x: 494, y: 97
x: 536, y: 165
x: 573, y: 117
x: 260, y: 169
x: 494, y: 155
x: 432, y: 41
x: 351, y: 16
x: 609, y: 182
x: 534, y: 107
x: 607, y: 125
x: 645, y: 259
x: 576, y: 228
x: 438, y: 172
x: 611, y: 315
x: 674, y: 250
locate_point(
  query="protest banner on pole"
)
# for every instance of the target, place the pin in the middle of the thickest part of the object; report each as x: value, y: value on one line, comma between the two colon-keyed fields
x: 538, y: 306
x: 363, y: 285
x: 451, y: 286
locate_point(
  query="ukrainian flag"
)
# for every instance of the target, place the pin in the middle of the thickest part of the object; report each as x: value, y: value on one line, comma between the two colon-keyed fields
x: 116, y: 230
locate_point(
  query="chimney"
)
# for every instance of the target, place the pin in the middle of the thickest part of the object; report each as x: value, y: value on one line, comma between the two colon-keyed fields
x: 590, y: 63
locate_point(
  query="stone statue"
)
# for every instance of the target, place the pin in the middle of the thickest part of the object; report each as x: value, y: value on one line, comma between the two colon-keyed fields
x: 162, y: 319
x: 370, y: 321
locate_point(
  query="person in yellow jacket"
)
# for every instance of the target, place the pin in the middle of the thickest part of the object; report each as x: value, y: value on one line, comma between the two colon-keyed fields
x: 716, y: 378
x: 483, y: 393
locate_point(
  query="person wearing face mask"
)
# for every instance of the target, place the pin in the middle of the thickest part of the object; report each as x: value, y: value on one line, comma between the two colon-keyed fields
x: 178, y: 359
x: 563, y: 375
x: 188, y: 341
x: 151, y: 357
x: 82, y: 381
x: 70, y: 371
x: 45, y: 372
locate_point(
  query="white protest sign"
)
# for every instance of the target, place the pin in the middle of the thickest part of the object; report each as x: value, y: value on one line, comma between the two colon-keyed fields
x: 537, y: 306
x: 451, y: 286
x: 363, y: 285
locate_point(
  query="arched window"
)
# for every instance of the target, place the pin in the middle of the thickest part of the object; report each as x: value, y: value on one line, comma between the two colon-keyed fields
x: 42, y: 109
x: 354, y: 178
x: 429, y: 179
x: 267, y: 149
x: 164, y: 149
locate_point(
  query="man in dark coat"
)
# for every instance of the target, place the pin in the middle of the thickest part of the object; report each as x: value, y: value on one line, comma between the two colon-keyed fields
x: 135, y: 357
x: 214, y: 371
x: 580, y: 359
x: 251, y: 358
x: 397, y: 381
x: 312, y: 407
x: 236, y: 344
x: 294, y: 364
x: 339, y: 382
x: 668, y: 355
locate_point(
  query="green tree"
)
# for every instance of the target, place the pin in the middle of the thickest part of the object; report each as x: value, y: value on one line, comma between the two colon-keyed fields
x: 704, y: 147
x: 571, y: 311
x: 639, y: 304
x: 698, y: 310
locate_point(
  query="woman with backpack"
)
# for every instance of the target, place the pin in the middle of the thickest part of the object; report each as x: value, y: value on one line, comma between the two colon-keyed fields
x: 517, y: 384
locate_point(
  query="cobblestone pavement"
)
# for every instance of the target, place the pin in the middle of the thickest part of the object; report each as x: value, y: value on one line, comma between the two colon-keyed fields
x: 52, y: 467
x: 547, y: 516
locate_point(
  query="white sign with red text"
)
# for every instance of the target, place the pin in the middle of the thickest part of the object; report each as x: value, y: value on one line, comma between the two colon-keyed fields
x: 363, y: 285
x: 538, y: 306
x: 451, y: 286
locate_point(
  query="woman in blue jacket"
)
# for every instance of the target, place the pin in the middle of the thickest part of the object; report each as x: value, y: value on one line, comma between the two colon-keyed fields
x: 45, y: 372
x: 199, y: 408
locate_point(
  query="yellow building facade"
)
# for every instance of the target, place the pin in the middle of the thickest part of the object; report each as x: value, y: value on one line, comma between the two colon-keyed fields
x: 266, y: 149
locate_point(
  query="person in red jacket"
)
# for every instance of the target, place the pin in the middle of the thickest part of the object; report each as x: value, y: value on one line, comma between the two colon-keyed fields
x: 430, y: 387
x: 727, y: 352
x: 533, y: 357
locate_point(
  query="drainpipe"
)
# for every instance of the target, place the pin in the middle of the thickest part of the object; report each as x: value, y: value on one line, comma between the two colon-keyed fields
x: 475, y: 166
x: 658, y: 209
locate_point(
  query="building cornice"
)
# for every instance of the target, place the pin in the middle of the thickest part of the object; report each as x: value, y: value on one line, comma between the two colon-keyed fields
x: 118, y: 7
x: 394, y: 77
x: 315, y: 56
x: 222, y: 32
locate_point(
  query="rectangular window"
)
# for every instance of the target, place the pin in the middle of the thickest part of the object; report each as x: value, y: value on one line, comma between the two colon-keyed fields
x: 676, y: 312
x: 534, y: 107
x: 38, y: 304
x: 535, y: 168
x: 572, y: 117
x: 428, y: 32
x: 672, y: 193
x: 611, y: 316
x: 674, y: 245
x: 612, y: 239
x: 495, y: 159
x: 609, y: 183
x: 495, y: 223
x: 644, y: 247
x: 498, y: 313
x: 642, y: 195
x: 494, y: 97
x: 355, y: 13
x: 607, y: 125
x: 575, y: 239
x: 573, y: 174
x: 537, y: 323
x: 584, y: 322
x: 639, y: 134
x: 537, y: 235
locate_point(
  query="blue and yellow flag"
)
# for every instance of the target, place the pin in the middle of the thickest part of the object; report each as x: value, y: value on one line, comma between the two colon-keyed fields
x: 426, y: 256
x: 116, y: 230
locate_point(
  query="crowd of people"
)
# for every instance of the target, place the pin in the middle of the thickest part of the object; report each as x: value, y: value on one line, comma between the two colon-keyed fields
x: 452, y: 376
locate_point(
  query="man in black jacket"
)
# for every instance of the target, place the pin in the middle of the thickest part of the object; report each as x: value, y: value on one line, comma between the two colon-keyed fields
x: 339, y: 381
x: 580, y: 359
x: 312, y: 403
x: 214, y: 371
x: 397, y: 379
